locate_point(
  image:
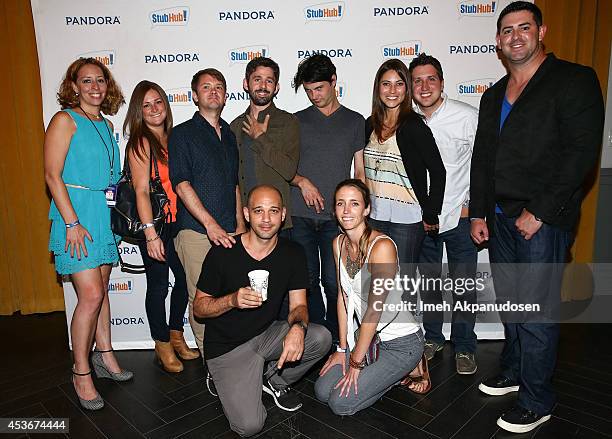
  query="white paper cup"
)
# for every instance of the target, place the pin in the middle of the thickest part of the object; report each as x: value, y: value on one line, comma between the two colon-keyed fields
x: 259, y: 282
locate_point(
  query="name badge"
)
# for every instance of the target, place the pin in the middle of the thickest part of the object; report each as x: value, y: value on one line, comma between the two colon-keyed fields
x: 111, y: 195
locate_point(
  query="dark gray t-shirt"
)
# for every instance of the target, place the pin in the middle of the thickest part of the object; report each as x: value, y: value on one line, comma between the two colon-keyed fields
x: 327, y: 146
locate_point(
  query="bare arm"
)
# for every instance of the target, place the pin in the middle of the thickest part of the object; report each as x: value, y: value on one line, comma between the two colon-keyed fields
x: 140, y: 170
x: 293, y: 344
x: 358, y: 166
x: 57, y: 142
x: 240, y: 222
x: 383, y: 266
x: 310, y: 193
x: 207, y: 306
x: 340, y: 303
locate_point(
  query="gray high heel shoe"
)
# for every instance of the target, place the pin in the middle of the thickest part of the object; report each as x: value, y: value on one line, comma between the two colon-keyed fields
x: 103, y: 372
x: 88, y: 404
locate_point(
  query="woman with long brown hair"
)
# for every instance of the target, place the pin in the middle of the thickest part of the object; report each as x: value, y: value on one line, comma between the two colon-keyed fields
x: 148, y: 123
x: 81, y: 163
x: 366, y: 260
x: 400, y: 155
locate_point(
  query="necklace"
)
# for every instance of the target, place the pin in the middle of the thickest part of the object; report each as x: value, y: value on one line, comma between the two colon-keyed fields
x: 352, y: 266
x: 111, y: 160
x: 95, y: 116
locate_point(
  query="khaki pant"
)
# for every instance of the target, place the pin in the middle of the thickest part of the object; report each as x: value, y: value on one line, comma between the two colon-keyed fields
x: 192, y: 247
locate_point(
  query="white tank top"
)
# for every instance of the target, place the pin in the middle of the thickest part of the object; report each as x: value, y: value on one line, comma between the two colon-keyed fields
x: 357, y: 303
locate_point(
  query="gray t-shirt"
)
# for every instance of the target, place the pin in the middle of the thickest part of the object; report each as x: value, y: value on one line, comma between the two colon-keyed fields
x: 327, y: 146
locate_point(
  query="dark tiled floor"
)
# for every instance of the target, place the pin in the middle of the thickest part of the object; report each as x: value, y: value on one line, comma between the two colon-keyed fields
x: 34, y: 382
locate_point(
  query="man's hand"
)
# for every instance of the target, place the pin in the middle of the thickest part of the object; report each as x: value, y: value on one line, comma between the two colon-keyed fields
x: 479, y: 230
x: 246, y: 298
x: 527, y: 224
x: 311, y: 194
x: 430, y: 227
x: 218, y: 236
x: 293, y: 346
x: 253, y: 128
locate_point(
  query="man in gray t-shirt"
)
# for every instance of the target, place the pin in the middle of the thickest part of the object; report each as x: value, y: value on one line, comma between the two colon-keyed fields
x: 331, y: 137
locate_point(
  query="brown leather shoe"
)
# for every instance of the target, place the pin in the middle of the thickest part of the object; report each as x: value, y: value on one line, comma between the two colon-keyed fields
x: 180, y: 346
x: 166, y: 357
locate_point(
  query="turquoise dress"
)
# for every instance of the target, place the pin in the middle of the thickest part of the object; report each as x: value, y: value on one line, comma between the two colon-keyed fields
x: 87, y: 165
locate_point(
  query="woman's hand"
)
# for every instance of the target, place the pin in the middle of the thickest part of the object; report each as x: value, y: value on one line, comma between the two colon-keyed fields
x: 156, y: 249
x: 348, y: 380
x: 75, y: 240
x: 334, y: 359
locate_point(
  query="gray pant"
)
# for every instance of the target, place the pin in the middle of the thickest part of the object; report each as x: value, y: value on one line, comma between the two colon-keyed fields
x: 397, y: 358
x: 238, y: 374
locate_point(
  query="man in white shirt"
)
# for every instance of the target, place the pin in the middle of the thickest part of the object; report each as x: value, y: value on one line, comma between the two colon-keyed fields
x: 453, y: 124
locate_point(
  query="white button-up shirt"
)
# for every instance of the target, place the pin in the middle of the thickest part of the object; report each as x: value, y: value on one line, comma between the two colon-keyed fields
x: 453, y: 125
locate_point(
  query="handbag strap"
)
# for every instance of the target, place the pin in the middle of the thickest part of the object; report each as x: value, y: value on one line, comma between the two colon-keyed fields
x: 152, y: 165
x: 343, y: 293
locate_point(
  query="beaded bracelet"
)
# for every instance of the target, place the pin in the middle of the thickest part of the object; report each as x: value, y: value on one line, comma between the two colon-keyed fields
x: 356, y: 365
x: 153, y: 239
x: 71, y: 225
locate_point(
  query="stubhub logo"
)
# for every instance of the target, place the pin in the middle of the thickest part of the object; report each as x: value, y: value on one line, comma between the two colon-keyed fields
x: 247, y: 53
x: 330, y: 11
x: 340, y: 90
x: 474, y: 87
x: 120, y: 286
x: 402, y: 50
x: 474, y: 8
x: 176, y: 16
x: 180, y: 96
x: 106, y: 57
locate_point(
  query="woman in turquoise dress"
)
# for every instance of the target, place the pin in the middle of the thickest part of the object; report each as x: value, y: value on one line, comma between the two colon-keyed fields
x: 81, y: 162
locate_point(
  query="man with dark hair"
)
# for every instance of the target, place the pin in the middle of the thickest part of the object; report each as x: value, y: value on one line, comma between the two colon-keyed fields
x: 331, y: 136
x: 539, y: 135
x: 268, y: 137
x: 242, y: 332
x: 203, y: 164
x: 453, y: 124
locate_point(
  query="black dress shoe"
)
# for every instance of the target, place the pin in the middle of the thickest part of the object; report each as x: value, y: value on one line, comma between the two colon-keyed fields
x: 498, y: 386
x: 520, y: 420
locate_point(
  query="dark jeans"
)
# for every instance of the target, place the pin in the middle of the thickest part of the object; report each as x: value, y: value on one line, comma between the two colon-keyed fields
x: 408, y: 239
x: 462, y: 257
x: 157, y: 289
x: 530, y: 352
x: 316, y: 236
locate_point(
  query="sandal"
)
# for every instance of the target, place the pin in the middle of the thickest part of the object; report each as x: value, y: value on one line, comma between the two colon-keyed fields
x: 424, y: 377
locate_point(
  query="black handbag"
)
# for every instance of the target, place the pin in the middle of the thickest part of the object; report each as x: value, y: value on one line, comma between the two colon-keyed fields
x: 125, y: 220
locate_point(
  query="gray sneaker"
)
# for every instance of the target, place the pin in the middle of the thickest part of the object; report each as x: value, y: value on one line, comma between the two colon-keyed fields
x: 465, y: 363
x: 431, y: 347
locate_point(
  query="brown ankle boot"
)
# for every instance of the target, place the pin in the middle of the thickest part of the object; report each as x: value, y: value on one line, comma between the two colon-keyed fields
x: 180, y: 346
x: 166, y: 357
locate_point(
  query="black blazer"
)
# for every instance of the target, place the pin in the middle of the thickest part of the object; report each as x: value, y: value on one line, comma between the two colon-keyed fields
x: 420, y: 155
x: 549, y: 143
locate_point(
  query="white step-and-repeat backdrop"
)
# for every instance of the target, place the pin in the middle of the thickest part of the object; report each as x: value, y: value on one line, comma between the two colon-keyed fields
x: 168, y: 41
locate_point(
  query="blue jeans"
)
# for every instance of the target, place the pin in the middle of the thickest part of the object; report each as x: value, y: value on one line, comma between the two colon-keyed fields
x: 157, y: 289
x: 530, y: 352
x: 462, y: 257
x: 396, y: 359
x: 316, y: 236
x: 407, y: 237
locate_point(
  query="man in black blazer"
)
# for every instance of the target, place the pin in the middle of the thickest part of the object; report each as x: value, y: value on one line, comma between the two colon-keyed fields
x: 539, y: 135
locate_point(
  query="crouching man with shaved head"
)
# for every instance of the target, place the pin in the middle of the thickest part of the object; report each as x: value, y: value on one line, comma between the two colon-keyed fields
x: 242, y: 333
